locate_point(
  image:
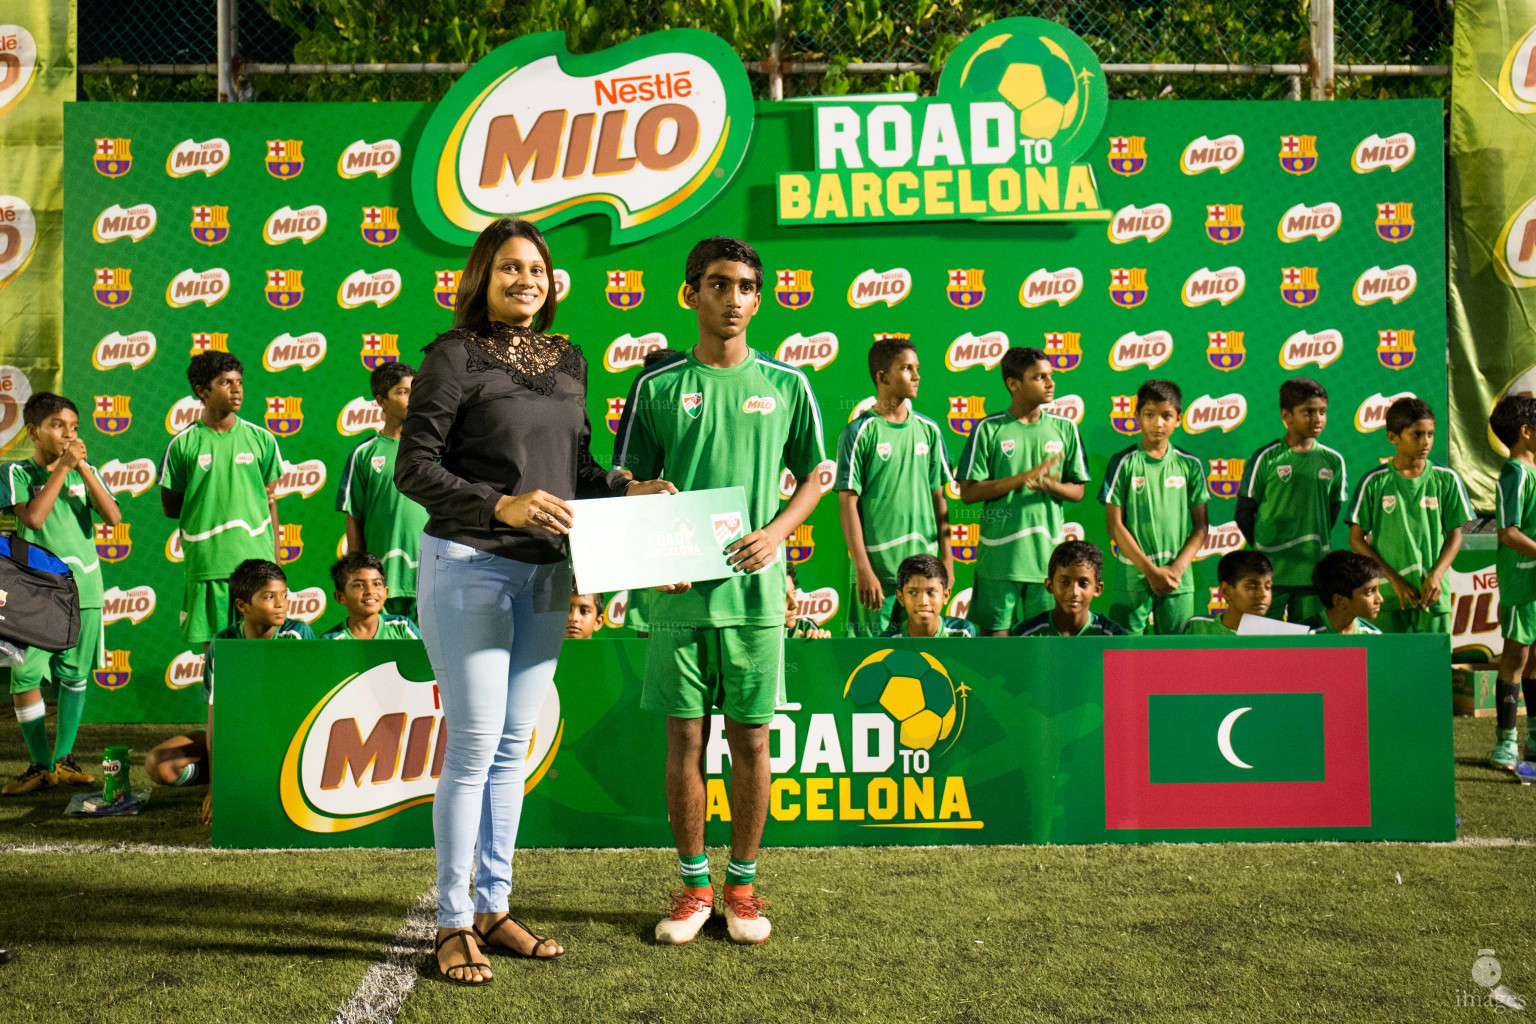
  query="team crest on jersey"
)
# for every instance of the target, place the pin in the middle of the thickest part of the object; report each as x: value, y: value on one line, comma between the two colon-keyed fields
x: 290, y: 543
x: 379, y: 349
x: 727, y: 527
x: 1395, y: 349
x: 1224, y: 349
x: 113, y: 158
x: 112, y: 542
x: 115, y: 672
x: 1138, y: 483
x: 1394, y: 221
x: 624, y: 290
x: 793, y: 288
x: 800, y: 545
x: 964, y: 539
x: 1389, y: 503
x: 377, y: 462
x: 285, y: 158
x: 965, y: 411
x: 285, y: 288
x: 1225, y: 477
x: 1283, y: 472
x: 1298, y: 153
x: 381, y: 224
x: 111, y: 414
x: 614, y: 414
x: 284, y: 415
x: 966, y: 289
x: 1298, y: 285
x: 205, y: 462
x: 210, y: 224
x: 1128, y: 286
x: 1122, y: 415
x: 209, y: 341
x: 1008, y: 446
x: 883, y: 449
x: 445, y: 286
x: 1063, y: 349
x: 693, y: 403
x: 112, y: 288
x: 1127, y: 154
x: 1224, y: 222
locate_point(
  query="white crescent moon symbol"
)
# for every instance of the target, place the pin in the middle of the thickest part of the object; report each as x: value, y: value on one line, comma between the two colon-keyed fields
x: 1224, y: 738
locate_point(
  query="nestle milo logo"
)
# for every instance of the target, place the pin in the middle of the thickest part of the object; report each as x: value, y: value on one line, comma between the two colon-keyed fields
x: 646, y: 133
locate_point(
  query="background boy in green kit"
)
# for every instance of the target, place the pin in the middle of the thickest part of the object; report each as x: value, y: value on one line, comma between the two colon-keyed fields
x: 52, y: 495
x: 360, y: 588
x: 1348, y: 585
x: 891, y: 472
x: 1246, y: 580
x: 1154, y: 499
x: 1514, y: 423
x: 1290, y: 497
x: 1076, y: 577
x: 1407, y: 516
x: 217, y: 477
x: 719, y: 415
x: 923, y: 587
x: 1023, y: 464
x: 381, y: 520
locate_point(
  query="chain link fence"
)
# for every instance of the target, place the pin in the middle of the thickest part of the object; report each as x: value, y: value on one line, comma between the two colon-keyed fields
x: 405, y: 50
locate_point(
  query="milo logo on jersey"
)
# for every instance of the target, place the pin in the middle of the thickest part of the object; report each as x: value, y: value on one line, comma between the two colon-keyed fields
x: 111, y: 415
x: 445, y: 287
x: 966, y: 288
x: 115, y: 672
x: 210, y: 224
x: 1394, y: 221
x: 112, y: 288
x: 284, y: 416
x: 381, y: 224
x: 285, y: 288
x: 290, y: 542
x: 113, y: 157
x: 965, y: 411
x: 1128, y: 286
x: 1395, y: 349
x: 285, y: 158
x: 1224, y: 222
x: 800, y: 545
x: 1224, y: 349
x: 1122, y: 415
x: 379, y: 349
x: 793, y: 288
x: 112, y: 542
x: 1225, y: 477
x: 1063, y: 350
x: 964, y: 541
x: 1298, y: 153
x: 1127, y: 154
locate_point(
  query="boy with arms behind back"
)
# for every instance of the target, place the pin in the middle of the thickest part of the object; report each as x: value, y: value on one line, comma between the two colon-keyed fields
x: 1514, y: 423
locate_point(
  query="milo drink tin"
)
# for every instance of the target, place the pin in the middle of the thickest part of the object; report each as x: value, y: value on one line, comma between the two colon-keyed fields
x: 114, y: 766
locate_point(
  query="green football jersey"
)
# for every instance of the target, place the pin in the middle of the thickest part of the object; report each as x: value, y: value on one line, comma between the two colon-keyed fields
x: 1295, y: 491
x: 703, y: 426
x: 391, y: 627
x: 1517, y: 508
x: 948, y: 627
x: 1156, y: 495
x: 1041, y: 625
x: 1407, y: 521
x: 67, y: 531
x: 1207, y: 626
x: 1021, y: 529
x: 223, y: 479
x: 894, y: 468
x: 292, y: 629
x: 1321, y: 624
x: 392, y: 523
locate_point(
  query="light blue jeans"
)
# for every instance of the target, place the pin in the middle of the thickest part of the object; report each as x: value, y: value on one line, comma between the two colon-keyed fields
x: 493, y: 628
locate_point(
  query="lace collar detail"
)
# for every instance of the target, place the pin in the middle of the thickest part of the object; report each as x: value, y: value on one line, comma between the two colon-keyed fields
x: 527, y: 356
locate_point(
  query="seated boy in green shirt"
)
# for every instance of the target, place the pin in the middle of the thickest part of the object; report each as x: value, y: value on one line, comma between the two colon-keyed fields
x: 922, y: 590
x: 1246, y: 581
x: 1349, y: 586
x: 361, y: 589
x: 1075, y: 577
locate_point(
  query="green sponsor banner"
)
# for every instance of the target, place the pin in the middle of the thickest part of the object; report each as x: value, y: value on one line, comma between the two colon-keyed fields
x: 882, y: 742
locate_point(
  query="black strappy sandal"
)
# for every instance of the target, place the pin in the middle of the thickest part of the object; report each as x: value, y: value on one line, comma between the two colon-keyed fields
x: 469, y: 961
x: 539, y: 940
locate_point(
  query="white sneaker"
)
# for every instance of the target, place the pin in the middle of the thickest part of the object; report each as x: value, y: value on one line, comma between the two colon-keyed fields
x: 688, y: 915
x: 744, y: 920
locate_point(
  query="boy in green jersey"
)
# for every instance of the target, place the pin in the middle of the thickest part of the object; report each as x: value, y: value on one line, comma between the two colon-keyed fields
x: 1514, y: 424
x: 1154, y: 499
x: 720, y: 415
x: 52, y: 495
x: 797, y: 626
x: 1348, y: 585
x: 258, y: 590
x: 380, y: 519
x: 218, y: 477
x: 1290, y: 497
x: 1407, y: 516
x: 1076, y: 577
x: 1023, y: 464
x: 361, y: 590
x: 581, y: 618
x: 1246, y: 581
x: 922, y: 587
x: 636, y: 616
x: 891, y: 472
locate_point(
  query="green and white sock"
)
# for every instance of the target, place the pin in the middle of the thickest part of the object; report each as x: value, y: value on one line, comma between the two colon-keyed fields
x: 740, y: 872
x: 71, y: 707
x: 189, y: 774
x: 35, y: 732
x: 695, y: 870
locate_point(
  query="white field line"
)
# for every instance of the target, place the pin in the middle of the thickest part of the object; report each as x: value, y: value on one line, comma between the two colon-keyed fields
x: 385, y: 987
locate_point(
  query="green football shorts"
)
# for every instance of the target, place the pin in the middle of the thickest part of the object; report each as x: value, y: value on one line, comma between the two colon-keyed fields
x: 1399, y: 620
x: 205, y: 609
x: 739, y: 669
x: 71, y: 666
x: 862, y: 621
x: 1133, y: 603
x: 1003, y: 604
x: 1518, y: 622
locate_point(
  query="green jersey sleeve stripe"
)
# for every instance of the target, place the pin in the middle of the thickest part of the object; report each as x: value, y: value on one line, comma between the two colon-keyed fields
x: 1365, y: 485
x: 344, y: 492
x: 631, y: 407
x: 973, y: 445
x: 936, y: 443
x: 1112, y: 474
x: 810, y: 397
x: 1507, y: 498
x: 1461, y: 490
x: 1256, y: 466
x: 17, y: 486
x: 1079, y: 463
x: 845, y: 473
x: 1343, y: 470
x: 165, y: 460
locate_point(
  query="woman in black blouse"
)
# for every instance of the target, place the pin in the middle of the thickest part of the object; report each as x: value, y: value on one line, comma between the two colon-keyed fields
x: 495, y: 442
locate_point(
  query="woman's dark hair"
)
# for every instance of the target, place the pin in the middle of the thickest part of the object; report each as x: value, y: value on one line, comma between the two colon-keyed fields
x: 469, y: 306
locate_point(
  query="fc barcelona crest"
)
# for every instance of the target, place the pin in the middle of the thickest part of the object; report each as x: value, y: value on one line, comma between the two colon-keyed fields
x: 209, y: 341
x: 116, y: 673
x: 1122, y: 415
x: 1063, y: 349
x: 964, y: 539
x: 1127, y: 154
x: 1225, y: 349
x: 965, y: 288
x: 1394, y: 221
x: 965, y: 411
x: 1298, y: 285
x: 792, y: 288
x: 285, y: 158
x: 113, y: 158
x: 210, y: 224
x: 112, y: 542
x: 446, y: 287
x: 285, y: 288
x: 624, y: 289
x: 800, y: 545
x: 1395, y: 349
x: 1298, y: 153
x: 1224, y: 222
x: 381, y: 224
x: 1128, y: 286
x: 112, y: 287
x: 284, y: 417
x: 290, y: 544
x: 614, y: 414
x: 1226, y: 477
x: 111, y: 414
x: 379, y: 349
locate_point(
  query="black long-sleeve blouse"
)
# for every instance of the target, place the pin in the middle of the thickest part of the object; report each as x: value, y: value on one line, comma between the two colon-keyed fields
x: 498, y: 410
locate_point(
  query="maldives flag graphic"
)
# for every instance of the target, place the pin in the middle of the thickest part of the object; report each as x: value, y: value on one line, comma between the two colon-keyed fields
x: 1228, y: 739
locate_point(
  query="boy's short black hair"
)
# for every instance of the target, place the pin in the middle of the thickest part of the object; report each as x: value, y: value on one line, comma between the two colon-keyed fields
x: 1157, y: 390
x: 1512, y: 413
x: 1236, y: 565
x: 1071, y: 552
x: 1020, y: 358
x: 351, y: 562
x: 205, y: 368
x: 720, y: 247
x: 1405, y: 412
x: 387, y: 376
x: 791, y: 575
x: 250, y: 576
x: 1300, y: 390
x: 1340, y: 574
x: 43, y: 404
x: 920, y: 565
x: 884, y: 352
x: 655, y: 356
